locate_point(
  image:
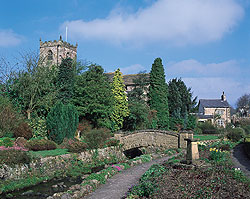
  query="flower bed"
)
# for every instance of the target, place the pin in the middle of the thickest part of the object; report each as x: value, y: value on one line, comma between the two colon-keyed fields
x: 211, y: 177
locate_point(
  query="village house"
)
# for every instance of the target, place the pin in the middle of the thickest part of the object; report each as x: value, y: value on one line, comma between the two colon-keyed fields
x: 217, y: 111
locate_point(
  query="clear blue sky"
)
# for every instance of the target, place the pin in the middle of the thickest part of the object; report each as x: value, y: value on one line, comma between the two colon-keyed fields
x: 205, y: 42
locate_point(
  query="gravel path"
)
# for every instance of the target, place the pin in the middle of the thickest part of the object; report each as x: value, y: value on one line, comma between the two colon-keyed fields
x: 240, y: 159
x: 117, y: 186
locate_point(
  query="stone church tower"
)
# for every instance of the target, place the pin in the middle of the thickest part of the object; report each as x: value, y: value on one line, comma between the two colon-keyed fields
x: 52, y: 52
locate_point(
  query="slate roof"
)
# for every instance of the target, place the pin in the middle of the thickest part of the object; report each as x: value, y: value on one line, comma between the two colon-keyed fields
x: 214, y: 103
x: 200, y: 116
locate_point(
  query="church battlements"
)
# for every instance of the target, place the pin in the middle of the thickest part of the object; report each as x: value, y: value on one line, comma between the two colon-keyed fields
x: 52, y: 52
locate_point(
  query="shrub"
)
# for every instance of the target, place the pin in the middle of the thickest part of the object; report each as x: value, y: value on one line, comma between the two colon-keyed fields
x: 73, y: 145
x: 207, y: 128
x: 84, y: 126
x: 147, y: 184
x: 23, y: 130
x: 39, y: 128
x: 40, y: 145
x: 246, y: 128
x: 197, y: 131
x: 62, y: 121
x: 7, y: 142
x: 13, y: 156
x: 111, y: 142
x: 235, y: 134
x: 96, y: 137
x: 9, y: 118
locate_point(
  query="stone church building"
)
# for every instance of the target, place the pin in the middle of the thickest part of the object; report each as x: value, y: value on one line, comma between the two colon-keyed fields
x: 52, y: 52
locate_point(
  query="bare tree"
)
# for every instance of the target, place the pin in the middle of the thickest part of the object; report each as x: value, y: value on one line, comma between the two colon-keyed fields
x: 243, y: 104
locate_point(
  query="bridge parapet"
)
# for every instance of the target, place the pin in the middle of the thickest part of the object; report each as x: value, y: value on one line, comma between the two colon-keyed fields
x: 157, y: 138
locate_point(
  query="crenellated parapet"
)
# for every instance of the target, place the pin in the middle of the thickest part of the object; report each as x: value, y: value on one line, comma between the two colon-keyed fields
x: 52, y: 52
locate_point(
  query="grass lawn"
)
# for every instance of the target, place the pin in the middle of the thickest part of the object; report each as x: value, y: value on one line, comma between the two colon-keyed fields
x: 49, y: 152
x: 206, y: 137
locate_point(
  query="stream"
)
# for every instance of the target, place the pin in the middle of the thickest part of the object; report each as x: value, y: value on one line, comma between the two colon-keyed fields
x: 43, y: 190
x: 48, y: 188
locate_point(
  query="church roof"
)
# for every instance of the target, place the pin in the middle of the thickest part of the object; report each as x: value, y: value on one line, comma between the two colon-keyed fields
x: 128, y: 79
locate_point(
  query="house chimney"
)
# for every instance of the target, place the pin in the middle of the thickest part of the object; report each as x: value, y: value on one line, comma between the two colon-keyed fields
x: 223, y: 97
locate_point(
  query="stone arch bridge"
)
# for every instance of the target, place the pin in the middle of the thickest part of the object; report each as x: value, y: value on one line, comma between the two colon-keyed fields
x: 156, y: 138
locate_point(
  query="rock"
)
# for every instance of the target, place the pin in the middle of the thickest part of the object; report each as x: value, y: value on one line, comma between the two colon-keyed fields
x: 75, y: 187
x: 66, y: 196
x: 28, y: 193
x: 21, y: 142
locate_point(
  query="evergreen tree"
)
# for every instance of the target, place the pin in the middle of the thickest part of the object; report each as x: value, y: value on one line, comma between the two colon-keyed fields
x: 180, y: 97
x: 93, y: 96
x: 174, y: 99
x: 138, y: 109
x: 120, y: 105
x: 66, y: 79
x: 158, y: 94
x: 138, y: 93
x: 181, y: 105
x: 62, y: 121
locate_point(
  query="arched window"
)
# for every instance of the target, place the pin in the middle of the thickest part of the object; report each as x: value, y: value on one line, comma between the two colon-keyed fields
x: 50, y: 55
x: 68, y: 55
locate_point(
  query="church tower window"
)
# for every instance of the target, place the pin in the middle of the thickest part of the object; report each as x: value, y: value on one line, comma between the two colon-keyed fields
x: 50, y: 55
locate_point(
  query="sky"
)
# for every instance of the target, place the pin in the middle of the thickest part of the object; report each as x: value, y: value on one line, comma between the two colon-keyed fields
x: 204, y: 42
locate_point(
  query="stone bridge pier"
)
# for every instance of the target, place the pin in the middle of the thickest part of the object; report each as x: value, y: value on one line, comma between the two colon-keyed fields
x: 155, y: 138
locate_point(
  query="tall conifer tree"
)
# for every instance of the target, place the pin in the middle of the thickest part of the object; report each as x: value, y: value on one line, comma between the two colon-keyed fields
x: 158, y: 94
x: 120, y: 106
x: 66, y: 79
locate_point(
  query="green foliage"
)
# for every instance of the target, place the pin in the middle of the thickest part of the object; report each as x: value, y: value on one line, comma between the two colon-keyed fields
x: 93, y: 96
x: 180, y: 105
x: 180, y: 97
x: 9, y: 117
x: 33, y: 89
x: 140, y: 89
x: 38, y: 126
x: 147, y: 185
x: 48, y: 153
x: 207, y: 128
x: 120, y: 106
x: 158, y: 94
x: 73, y: 145
x: 235, y: 134
x: 96, y: 137
x: 66, y: 80
x: 23, y: 130
x: 12, y: 157
x: 138, y: 116
x: 62, y: 121
x: 40, y: 145
x: 111, y: 142
x: 217, y: 155
x: 191, y: 122
x: 7, y: 142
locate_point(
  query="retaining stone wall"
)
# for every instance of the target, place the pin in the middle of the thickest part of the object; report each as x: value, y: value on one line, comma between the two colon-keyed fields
x: 50, y: 165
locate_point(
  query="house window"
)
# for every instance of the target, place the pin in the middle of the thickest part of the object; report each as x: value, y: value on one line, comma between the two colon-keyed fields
x: 220, y: 122
x: 220, y: 112
x: 50, y: 55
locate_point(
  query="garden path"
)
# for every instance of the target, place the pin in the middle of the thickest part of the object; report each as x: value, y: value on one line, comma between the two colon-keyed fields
x: 117, y: 186
x: 240, y: 160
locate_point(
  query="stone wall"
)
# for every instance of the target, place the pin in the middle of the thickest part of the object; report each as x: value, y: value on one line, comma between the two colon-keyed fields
x: 157, y: 138
x: 49, y: 166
